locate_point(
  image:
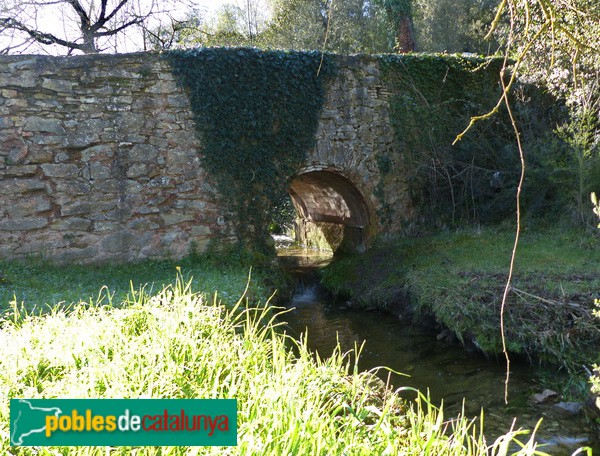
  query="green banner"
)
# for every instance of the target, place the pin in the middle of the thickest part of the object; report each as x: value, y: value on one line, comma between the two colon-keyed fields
x: 123, y: 422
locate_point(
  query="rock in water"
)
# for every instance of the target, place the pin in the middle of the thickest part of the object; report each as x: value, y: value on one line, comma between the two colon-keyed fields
x: 545, y: 396
x: 570, y: 407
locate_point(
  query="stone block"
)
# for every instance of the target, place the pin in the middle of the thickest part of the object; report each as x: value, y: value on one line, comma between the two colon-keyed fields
x: 132, y: 187
x: 26, y: 207
x: 117, y: 107
x: 76, y: 208
x: 15, y: 186
x: 95, y: 152
x: 200, y: 245
x: 47, y: 140
x: 174, y: 218
x: 32, y: 248
x: 48, y: 125
x: 20, y: 170
x: 200, y: 230
x: 17, y: 151
x: 57, y: 85
x: 161, y: 182
x: 178, y: 101
x: 143, y: 153
x: 107, y: 186
x: 99, y: 171
x: 9, y: 93
x: 23, y: 224
x: 163, y: 87
x: 81, y: 140
x: 137, y: 170
x: 24, y: 79
x: 78, y: 254
x: 190, y: 204
x: 48, y: 104
x: 60, y: 170
x: 168, y: 238
x: 72, y: 188
x: 178, y: 160
x: 6, y: 123
x: 16, y: 102
x: 62, y: 157
x: 119, y: 242
x: 40, y: 155
x: 105, y: 225
x: 71, y: 224
x: 142, y: 224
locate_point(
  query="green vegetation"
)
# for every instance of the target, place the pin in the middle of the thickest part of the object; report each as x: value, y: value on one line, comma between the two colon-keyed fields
x: 40, y: 286
x: 180, y: 344
x: 256, y: 114
x: 473, y: 180
x: 346, y: 27
x: 458, y: 278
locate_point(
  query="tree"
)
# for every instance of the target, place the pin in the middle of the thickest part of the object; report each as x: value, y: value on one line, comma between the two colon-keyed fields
x: 240, y: 24
x: 86, y: 26
x: 347, y: 26
x: 543, y: 38
x: 454, y: 26
x: 174, y: 32
x: 557, y: 44
x: 400, y: 14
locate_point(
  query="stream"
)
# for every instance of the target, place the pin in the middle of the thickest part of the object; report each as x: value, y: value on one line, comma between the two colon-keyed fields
x: 447, y: 370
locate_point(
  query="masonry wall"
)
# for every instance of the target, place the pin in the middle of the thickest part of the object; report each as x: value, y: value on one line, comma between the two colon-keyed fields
x: 99, y: 160
x: 354, y: 134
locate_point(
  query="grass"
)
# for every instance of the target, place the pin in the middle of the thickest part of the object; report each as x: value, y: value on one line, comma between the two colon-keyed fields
x: 177, y: 343
x: 40, y: 285
x: 458, y: 278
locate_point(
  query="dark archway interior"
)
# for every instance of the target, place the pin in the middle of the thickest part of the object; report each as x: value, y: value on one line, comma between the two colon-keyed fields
x: 330, y: 211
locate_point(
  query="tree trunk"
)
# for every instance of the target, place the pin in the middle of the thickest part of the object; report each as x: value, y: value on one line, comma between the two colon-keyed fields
x: 405, y: 37
x: 89, y: 43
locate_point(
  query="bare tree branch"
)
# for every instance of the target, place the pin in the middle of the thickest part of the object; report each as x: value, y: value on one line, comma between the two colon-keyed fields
x: 103, y: 21
x: 122, y: 27
x: 88, y: 26
x: 40, y: 37
x: 85, y: 20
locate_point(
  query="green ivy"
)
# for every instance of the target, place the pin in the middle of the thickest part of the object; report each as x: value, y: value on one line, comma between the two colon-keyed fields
x: 433, y: 98
x: 256, y: 114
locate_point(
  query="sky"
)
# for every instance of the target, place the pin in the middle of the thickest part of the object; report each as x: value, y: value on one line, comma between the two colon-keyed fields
x: 49, y: 19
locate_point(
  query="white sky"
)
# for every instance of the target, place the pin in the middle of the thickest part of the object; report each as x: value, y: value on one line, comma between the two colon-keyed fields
x: 49, y: 19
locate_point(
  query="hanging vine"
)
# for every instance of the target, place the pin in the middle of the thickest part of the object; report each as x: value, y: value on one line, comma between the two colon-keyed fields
x: 256, y: 113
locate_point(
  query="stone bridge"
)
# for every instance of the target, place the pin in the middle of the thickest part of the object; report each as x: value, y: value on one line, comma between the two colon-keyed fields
x: 99, y: 162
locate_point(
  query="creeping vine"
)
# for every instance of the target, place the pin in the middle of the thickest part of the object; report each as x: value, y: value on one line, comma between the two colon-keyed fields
x: 256, y: 113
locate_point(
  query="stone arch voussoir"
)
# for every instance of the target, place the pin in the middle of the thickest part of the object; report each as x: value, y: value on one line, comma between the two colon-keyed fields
x: 332, y: 211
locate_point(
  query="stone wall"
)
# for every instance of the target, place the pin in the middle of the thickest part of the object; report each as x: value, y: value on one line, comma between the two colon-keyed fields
x: 99, y: 160
x: 354, y: 133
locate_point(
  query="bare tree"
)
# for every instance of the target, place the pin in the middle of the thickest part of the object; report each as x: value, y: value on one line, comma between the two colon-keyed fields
x: 86, y: 26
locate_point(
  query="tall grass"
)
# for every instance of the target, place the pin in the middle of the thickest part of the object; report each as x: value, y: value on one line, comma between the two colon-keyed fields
x: 178, y: 344
x: 459, y: 276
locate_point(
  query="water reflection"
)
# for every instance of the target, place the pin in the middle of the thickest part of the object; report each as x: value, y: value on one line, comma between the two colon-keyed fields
x: 448, y: 371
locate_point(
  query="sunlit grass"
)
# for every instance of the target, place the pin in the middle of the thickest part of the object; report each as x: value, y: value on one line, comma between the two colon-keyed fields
x: 41, y: 285
x: 459, y: 277
x: 175, y: 343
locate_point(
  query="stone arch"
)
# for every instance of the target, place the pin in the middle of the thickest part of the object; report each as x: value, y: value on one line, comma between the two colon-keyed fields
x: 331, y: 210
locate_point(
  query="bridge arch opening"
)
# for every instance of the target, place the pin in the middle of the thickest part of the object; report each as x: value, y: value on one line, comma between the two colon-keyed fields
x: 331, y: 213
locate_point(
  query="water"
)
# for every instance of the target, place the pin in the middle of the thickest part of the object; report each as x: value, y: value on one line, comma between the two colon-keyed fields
x: 447, y: 370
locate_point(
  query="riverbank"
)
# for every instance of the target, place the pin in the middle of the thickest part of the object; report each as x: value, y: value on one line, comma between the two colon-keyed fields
x: 456, y: 279
x: 176, y: 342
x: 38, y: 285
